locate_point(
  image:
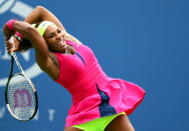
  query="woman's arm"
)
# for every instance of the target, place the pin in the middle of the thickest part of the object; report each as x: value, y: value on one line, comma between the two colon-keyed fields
x: 40, y: 14
x: 43, y: 56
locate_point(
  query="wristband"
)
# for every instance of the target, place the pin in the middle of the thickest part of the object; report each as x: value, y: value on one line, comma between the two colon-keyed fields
x: 10, y: 24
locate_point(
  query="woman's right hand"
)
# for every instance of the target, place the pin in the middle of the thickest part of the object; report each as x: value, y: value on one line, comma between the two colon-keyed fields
x: 12, y: 47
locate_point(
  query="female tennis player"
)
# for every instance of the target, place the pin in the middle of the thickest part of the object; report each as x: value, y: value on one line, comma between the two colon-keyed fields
x: 99, y: 102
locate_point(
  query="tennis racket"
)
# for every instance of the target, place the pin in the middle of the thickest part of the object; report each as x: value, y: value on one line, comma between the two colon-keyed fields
x: 20, y: 94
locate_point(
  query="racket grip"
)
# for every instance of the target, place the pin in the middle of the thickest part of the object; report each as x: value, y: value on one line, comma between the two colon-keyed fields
x: 11, y: 40
x: 10, y: 24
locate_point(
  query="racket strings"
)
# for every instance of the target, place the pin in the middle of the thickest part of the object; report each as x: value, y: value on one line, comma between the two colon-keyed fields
x: 21, y: 97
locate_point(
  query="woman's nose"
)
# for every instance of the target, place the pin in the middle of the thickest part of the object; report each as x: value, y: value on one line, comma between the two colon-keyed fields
x: 58, y: 37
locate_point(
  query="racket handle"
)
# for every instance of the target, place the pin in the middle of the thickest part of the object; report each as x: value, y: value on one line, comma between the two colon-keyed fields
x: 11, y: 40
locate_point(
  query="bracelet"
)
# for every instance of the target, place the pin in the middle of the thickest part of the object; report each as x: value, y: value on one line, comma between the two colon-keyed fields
x: 19, y: 35
x: 18, y: 38
x: 10, y: 24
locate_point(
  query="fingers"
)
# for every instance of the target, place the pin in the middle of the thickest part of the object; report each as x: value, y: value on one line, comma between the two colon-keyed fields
x: 9, y: 47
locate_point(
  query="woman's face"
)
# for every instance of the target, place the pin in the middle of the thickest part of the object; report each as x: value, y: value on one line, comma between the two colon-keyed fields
x: 54, y: 38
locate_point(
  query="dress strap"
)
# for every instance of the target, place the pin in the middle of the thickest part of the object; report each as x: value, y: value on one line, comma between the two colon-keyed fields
x: 74, y: 44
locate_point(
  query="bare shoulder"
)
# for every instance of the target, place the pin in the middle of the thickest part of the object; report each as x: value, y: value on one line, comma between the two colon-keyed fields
x: 70, y: 37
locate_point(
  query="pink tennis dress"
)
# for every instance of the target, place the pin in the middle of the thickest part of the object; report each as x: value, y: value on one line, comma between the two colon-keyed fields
x: 94, y: 94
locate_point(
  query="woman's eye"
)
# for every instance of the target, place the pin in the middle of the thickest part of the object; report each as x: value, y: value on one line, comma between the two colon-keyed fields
x: 51, y: 35
x: 59, y: 30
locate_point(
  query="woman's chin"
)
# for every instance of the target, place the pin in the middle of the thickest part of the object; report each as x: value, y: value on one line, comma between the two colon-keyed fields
x: 62, y: 50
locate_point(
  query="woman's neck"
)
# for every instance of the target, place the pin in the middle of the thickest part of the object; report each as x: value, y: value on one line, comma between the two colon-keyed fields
x: 69, y: 50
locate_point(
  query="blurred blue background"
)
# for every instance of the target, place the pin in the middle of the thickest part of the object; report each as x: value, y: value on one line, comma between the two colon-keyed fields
x: 145, y: 42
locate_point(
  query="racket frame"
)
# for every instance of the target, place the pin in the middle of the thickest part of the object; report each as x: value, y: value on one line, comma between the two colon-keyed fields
x: 14, y: 59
